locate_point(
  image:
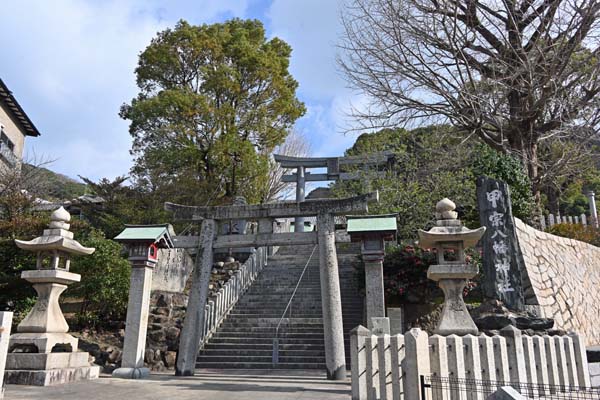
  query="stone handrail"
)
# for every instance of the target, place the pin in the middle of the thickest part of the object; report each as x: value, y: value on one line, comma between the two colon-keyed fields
x: 219, y: 307
x: 389, y: 367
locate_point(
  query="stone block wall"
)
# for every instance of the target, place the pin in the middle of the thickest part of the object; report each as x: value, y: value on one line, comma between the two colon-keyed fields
x: 565, y: 277
x: 172, y: 270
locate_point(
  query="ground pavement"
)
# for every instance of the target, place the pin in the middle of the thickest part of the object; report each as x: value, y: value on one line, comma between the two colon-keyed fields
x: 206, y: 384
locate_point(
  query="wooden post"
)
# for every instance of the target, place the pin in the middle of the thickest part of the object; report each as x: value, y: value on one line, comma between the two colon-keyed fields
x: 189, y: 342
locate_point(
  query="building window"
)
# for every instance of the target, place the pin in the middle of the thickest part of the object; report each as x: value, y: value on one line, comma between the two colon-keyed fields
x: 4, y: 140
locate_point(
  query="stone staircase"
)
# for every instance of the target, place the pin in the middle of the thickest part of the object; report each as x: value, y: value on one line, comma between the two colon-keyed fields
x: 245, y: 339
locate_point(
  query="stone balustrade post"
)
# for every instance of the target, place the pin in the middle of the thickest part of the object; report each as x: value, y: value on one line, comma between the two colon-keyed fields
x: 593, y: 212
x: 5, y: 325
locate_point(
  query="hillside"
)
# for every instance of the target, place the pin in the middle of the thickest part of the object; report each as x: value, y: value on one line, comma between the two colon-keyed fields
x: 49, y: 185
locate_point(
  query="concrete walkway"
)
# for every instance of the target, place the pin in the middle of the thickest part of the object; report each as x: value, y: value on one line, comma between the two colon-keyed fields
x: 206, y: 384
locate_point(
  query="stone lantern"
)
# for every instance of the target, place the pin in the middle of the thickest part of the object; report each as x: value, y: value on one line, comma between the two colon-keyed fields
x: 42, y: 352
x: 452, y: 275
x: 372, y: 231
x: 142, y: 242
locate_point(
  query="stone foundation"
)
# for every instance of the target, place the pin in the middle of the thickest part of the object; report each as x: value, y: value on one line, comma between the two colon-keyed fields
x: 50, y: 377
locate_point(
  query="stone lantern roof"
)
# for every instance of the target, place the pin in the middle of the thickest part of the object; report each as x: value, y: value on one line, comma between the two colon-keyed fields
x: 448, y: 228
x: 56, y: 238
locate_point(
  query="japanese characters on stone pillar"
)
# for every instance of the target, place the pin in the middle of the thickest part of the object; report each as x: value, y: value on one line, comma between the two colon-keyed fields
x: 502, y: 263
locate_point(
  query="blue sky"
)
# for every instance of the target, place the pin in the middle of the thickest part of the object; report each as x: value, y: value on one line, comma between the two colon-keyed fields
x: 70, y: 63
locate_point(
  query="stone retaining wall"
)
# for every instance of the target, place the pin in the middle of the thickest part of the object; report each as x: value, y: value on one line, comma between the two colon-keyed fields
x: 565, y: 277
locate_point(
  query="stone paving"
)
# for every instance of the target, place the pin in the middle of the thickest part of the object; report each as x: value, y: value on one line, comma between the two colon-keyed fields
x: 206, y: 384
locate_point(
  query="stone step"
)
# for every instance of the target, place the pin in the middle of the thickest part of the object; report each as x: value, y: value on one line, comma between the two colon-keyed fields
x: 258, y: 353
x: 258, y: 365
x: 283, y: 335
x: 261, y: 359
x: 263, y: 346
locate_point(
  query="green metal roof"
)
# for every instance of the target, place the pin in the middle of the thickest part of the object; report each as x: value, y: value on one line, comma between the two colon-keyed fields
x: 372, y: 223
x: 149, y: 232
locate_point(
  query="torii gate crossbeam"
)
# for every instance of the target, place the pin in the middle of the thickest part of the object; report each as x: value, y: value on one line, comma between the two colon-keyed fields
x: 208, y: 240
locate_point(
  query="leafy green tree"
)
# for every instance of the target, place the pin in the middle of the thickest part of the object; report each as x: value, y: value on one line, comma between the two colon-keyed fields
x: 214, y: 101
x: 504, y: 167
x: 122, y: 205
x: 430, y: 164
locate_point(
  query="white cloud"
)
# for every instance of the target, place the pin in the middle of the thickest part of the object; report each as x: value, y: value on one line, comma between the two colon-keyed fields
x: 70, y: 64
x: 312, y: 28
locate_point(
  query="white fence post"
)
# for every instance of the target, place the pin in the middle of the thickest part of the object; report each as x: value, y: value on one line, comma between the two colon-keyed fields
x: 516, y: 356
x: 543, y: 222
x: 473, y: 365
x: 358, y: 362
x: 416, y: 362
x: 372, y: 370
x: 539, y: 348
x: 5, y: 325
x: 398, y: 353
x: 581, y: 363
x: 551, y: 219
x: 385, y: 366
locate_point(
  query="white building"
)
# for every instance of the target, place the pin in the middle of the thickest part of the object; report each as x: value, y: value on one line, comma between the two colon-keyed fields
x: 14, y: 126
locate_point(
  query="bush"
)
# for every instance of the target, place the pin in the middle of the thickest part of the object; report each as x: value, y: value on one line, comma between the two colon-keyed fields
x: 587, y: 234
x: 104, y: 286
x: 405, y: 276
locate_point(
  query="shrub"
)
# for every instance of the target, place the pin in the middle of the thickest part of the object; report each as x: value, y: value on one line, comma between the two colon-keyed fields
x: 587, y: 234
x: 104, y: 285
x: 405, y: 276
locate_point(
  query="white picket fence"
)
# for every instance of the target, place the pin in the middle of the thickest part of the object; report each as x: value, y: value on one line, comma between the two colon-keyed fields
x: 390, y: 367
x: 551, y: 220
x: 219, y: 307
x: 5, y: 325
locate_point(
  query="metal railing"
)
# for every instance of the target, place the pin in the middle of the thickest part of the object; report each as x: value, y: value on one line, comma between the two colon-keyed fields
x: 275, y: 357
x: 218, y: 308
x: 448, y: 388
x: 8, y: 154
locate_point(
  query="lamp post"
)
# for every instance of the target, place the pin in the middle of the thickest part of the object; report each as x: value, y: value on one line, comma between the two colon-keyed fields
x: 372, y: 231
x: 43, y: 332
x: 143, y: 242
x: 449, y: 234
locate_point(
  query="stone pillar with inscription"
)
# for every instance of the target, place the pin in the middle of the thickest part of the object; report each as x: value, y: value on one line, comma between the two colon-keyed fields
x: 502, y: 264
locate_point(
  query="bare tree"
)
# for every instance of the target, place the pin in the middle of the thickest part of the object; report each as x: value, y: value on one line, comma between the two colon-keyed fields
x: 295, y: 145
x: 519, y: 74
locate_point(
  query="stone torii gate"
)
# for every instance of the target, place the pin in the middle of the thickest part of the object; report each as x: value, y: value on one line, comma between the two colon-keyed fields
x: 265, y: 214
x: 338, y: 168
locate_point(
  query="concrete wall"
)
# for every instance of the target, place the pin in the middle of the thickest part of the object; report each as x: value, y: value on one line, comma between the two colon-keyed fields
x: 172, y: 270
x: 565, y: 277
x: 12, y: 131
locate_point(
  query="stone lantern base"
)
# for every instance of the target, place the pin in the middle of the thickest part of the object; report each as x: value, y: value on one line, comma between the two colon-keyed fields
x: 39, y: 357
x: 45, y: 369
